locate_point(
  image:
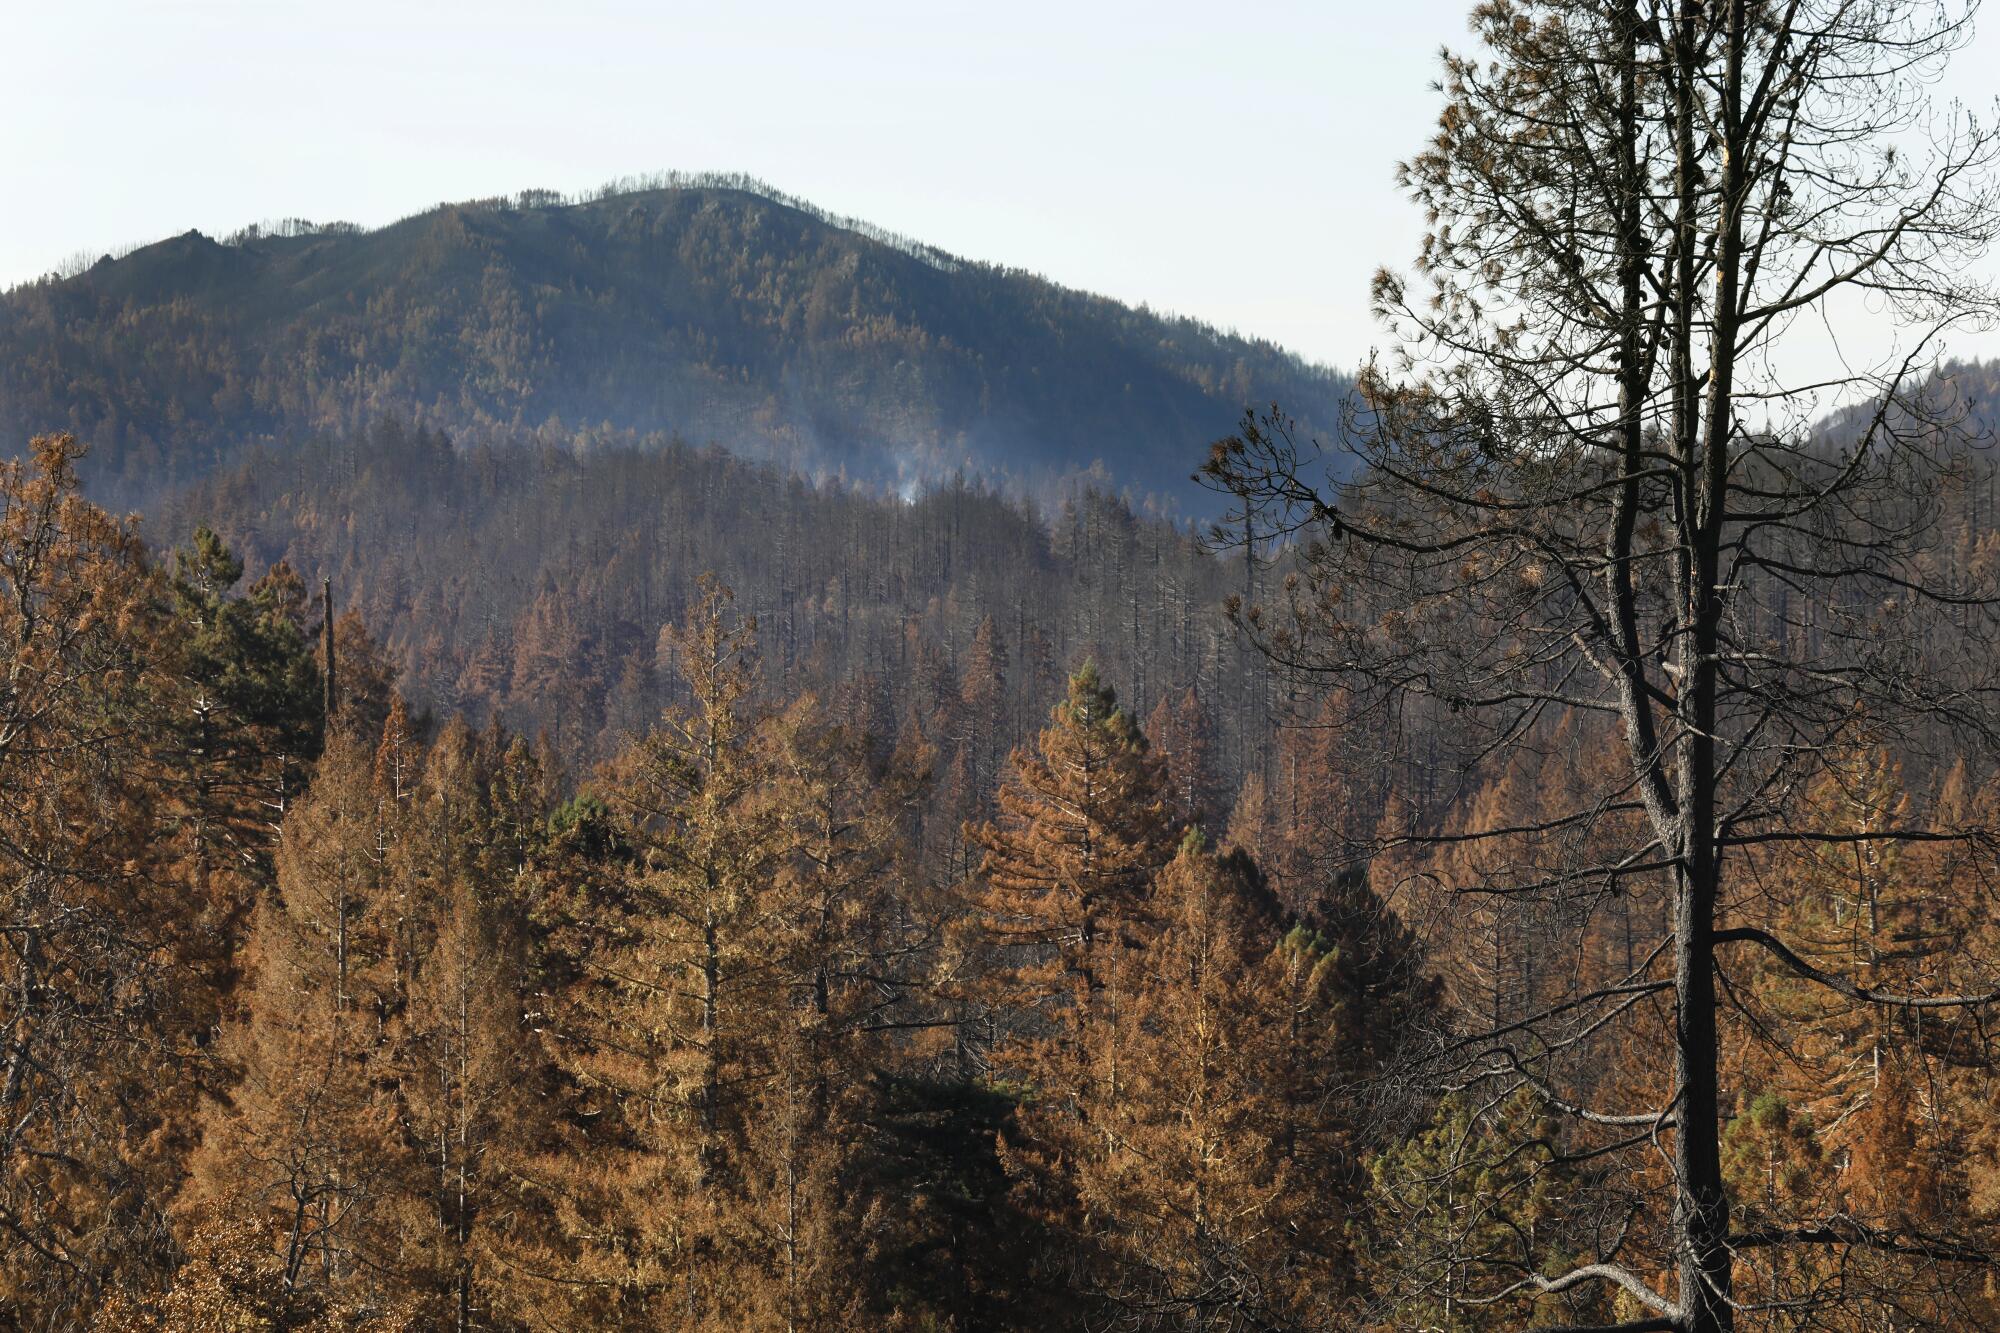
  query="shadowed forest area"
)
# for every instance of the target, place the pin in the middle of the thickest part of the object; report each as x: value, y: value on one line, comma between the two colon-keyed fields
x: 1529, y: 860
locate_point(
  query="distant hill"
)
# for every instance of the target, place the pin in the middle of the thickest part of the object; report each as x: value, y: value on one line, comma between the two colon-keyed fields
x: 1960, y: 396
x: 708, y: 310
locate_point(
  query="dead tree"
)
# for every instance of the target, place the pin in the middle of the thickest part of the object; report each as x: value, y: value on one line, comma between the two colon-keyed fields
x: 1589, y: 486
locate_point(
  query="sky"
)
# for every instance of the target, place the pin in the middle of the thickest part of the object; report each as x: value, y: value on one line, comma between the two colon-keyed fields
x: 1234, y: 162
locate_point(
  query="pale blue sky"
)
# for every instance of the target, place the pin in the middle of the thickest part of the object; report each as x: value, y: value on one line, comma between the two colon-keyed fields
x: 1231, y: 161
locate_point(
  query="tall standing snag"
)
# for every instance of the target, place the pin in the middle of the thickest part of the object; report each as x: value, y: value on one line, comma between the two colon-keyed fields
x: 1589, y: 487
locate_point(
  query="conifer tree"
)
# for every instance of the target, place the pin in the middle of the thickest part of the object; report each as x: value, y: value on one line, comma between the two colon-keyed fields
x: 1250, y: 828
x: 676, y: 982
x: 468, y: 1085
x: 1059, y: 911
x: 114, y: 955
x: 844, y: 947
x: 309, y: 1139
x: 522, y: 792
x: 1846, y: 1076
x: 1083, y: 825
x: 256, y: 715
x: 554, y: 665
x: 982, y: 712
x: 1182, y: 1179
x: 365, y: 681
x: 230, y: 1281
x: 1309, y: 800
x: 1463, y: 1188
x: 1182, y: 731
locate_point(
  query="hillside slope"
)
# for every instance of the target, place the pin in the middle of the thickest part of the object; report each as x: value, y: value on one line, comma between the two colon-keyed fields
x: 704, y: 311
x: 530, y: 583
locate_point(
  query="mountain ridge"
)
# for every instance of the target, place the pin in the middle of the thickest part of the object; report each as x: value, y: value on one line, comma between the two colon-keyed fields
x: 697, y: 308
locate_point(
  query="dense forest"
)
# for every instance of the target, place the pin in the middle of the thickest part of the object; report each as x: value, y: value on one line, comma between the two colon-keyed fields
x: 705, y: 308
x: 336, y: 1015
x: 530, y: 583
x: 813, y: 983
x: 475, y: 855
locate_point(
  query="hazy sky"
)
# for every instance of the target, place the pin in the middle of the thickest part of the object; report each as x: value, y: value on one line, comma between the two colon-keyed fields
x: 1231, y: 161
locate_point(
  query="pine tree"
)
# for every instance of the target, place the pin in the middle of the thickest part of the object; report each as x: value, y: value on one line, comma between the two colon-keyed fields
x: 116, y: 955
x: 1060, y: 897
x: 1181, y: 730
x: 1458, y: 1211
x: 257, y: 718
x: 468, y: 1084
x: 1181, y: 1179
x: 676, y: 985
x: 308, y: 1140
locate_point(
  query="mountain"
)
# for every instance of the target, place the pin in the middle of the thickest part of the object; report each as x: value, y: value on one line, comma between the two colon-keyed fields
x: 1961, y: 398
x: 707, y: 310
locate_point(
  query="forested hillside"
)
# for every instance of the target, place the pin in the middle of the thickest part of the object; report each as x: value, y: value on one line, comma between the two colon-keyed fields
x: 529, y: 583
x: 634, y: 773
x: 706, y: 309
x: 341, y: 1013
x: 690, y: 895
x: 852, y: 951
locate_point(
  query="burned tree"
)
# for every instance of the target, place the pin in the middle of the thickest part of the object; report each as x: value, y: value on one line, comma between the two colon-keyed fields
x: 1588, y: 494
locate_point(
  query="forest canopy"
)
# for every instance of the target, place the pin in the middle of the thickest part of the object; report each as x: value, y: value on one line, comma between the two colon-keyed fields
x: 472, y: 859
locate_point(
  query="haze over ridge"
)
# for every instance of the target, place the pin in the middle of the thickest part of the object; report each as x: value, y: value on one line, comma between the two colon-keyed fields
x: 708, y: 308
